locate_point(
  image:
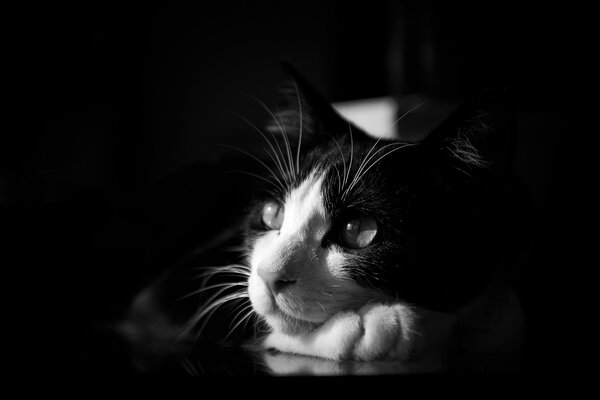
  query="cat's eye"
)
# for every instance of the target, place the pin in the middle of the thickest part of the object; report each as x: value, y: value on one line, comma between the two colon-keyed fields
x: 272, y: 215
x: 358, y: 232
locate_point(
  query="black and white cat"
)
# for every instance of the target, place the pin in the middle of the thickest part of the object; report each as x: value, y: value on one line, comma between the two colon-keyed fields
x: 372, y: 249
x: 376, y: 249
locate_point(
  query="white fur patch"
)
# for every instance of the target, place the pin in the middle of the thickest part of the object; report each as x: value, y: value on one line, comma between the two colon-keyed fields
x: 304, y: 213
x: 374, y: 332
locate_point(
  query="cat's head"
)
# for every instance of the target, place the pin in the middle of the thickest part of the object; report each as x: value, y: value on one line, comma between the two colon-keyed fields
x: 354, y: 219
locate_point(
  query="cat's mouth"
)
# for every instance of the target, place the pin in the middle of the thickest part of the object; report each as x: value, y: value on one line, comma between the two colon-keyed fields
x: 289, y: 311
x: 281, y: 318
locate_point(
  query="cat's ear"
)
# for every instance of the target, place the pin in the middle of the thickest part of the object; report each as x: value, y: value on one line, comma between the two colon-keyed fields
x: 479, y: 136
x: 303, y: 109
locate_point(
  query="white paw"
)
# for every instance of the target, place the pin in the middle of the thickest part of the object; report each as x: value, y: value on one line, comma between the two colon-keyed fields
x: 376, y: 331
x: 388, y: 332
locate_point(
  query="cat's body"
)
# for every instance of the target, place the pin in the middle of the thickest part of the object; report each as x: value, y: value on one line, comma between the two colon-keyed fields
x: 365, y: 249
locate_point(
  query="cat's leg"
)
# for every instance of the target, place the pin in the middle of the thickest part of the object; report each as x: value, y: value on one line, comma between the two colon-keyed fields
x: 376, y: 331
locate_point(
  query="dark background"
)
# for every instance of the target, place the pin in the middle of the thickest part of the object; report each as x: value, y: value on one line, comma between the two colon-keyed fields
x: 112, y: 172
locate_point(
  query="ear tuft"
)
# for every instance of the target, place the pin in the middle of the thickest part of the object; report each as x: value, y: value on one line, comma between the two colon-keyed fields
x: 480, y: 135
x: 464, y: 151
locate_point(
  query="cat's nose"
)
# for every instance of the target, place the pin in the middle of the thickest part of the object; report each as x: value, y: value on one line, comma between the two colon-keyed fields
x: 276, y: 281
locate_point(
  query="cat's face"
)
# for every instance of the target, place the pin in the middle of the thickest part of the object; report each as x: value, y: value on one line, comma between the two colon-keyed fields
x: 295, y: 281
x: 302, y: 261
x: 355, y: 220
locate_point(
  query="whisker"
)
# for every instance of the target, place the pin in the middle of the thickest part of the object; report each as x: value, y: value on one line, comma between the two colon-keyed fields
x: 387, y: 154
x: 288, y: 149
x: 300, y: 134
x: 218, y: 285
x: 217, y: 268
x: 211, y: 300
x: 260, y: 325
x: 248, y: 313
x: 396, y: 145
x: 257, y: 160
x: 236, y: 274
x: 233, y: 269
x: 240, y: 308
x: 359, y: 173
x: 342, y: 155
x: 286, y: 142
x: 365, y: 163
x: 339, y: 183
x: 274, y: 156
x: 209, y: 315
x: 279, y: 123
x: 351, y: 155
x: 258, y: 322
x: 409, y: 111
x: 366, y: 158
x: 207, y: 276
x: 262, y: 178
x: 277, y: 163
x: 208, y: 311
x: 361, y: 166
x: 187, y: 364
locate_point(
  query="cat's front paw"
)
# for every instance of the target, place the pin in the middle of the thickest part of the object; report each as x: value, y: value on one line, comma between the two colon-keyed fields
x: 388, y: 332
x: 334, y: 340
x: 374, y: 332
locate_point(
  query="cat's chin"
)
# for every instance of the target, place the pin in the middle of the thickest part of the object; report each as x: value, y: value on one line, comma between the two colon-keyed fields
x: 279, y: 318
x: 289, y: 325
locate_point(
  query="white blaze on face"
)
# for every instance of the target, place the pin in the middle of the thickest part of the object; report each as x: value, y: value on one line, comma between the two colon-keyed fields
x: 304, y: 211
x: 321, y: 285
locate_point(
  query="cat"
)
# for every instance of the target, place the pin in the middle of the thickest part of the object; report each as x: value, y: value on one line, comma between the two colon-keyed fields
x: 373, y: 250
x: 365, y: 249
